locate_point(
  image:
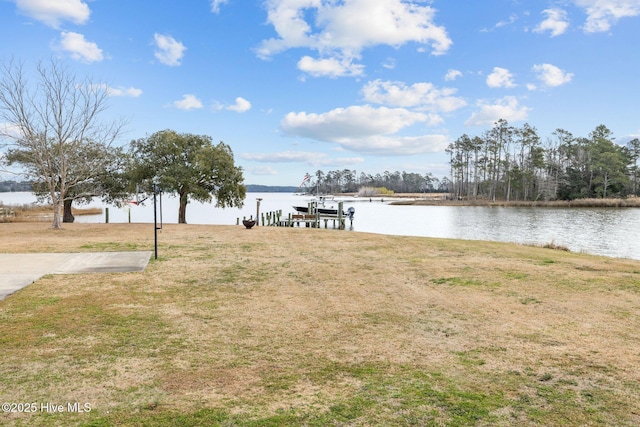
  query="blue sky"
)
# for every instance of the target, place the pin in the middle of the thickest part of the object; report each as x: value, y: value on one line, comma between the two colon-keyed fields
x: 294, y: 86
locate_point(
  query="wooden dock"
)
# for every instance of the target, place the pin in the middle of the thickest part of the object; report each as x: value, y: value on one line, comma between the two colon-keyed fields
x: 312, y: 220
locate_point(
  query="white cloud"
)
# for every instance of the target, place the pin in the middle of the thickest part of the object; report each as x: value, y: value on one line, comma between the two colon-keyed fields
x: 506, y: 108
x: 127, y: 92
x: 551, y: 75
x: 53, y: 13
x: 9, y: 131
x: 504, y: 23
x: 282, y: 156
x: 340, y: 161
x: 365, y: 129
x: 556, y: 22
x: 343, y: 29
x: 627, y: 138
x: 188, y: 102
x: 452, y: 75
x: 215, y: 5
x: 240, y: 106
x: 169, y: 51
x: 351, y: 122
x: 398, y: 145
x: 501, y: 77
x: 602, y: 14
x: 263, y: 170
x: 307, y: 157
x: 424, y: 96
x: 389, y: 64
x: 329, y: 67
x: 79, y: 48
x: 512, y: 19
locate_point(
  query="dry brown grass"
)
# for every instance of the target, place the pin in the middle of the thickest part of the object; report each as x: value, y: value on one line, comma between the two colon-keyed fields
x: 269, y: 321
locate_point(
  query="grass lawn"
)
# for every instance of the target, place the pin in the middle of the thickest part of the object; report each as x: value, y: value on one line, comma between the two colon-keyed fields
x: 275, y: 326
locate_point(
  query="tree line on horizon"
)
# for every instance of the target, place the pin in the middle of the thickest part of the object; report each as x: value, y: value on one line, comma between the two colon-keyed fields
x: 349, y: 181
x: 513, y: 163
x: 14, y: 186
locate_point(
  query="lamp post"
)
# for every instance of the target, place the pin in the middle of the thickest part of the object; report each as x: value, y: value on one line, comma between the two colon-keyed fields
x: 156, y: 191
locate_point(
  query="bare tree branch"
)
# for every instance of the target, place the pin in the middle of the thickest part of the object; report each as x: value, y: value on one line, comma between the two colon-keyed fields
x: 55, y: 129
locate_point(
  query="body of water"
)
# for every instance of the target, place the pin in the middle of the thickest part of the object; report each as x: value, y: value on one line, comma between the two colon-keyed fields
x: 601, y: 231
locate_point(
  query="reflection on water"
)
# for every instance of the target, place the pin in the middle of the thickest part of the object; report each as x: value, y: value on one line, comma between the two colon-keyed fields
x: 602, y: 231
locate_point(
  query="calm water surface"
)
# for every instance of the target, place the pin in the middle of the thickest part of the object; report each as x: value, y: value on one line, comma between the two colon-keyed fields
x: 601, y: 231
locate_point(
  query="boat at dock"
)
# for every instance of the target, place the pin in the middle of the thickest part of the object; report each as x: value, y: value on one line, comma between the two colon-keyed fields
x: 324, y: 211
x: 322, y: 204
x: 321, y: 211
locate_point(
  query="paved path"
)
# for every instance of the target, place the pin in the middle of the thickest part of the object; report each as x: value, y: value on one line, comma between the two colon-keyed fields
x: 20, y: 270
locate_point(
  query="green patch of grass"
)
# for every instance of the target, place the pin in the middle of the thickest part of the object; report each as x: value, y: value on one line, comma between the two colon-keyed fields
x: 29, y: 306
x: 111, y: 246
x: 630, y: 284
x: 517, y: 276
x: 383, y: 317
x: 241, y: 272
x: 277, y: 380
x: 409, y: 396
x: 588, y: 268
x: 461, y: 281
x: 530, y: 300
x: 546, y: 377
x: 471, y: 358
x: 385, y: 396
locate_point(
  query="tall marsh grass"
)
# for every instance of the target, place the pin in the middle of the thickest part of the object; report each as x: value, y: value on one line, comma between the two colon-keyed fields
x: 36, y: 213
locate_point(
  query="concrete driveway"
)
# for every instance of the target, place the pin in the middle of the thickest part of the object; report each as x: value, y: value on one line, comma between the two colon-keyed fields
x: 20, y: 270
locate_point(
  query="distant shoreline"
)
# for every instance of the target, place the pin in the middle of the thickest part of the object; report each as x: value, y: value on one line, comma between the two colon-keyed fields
x: 576, y: 203
x: 444, y: 199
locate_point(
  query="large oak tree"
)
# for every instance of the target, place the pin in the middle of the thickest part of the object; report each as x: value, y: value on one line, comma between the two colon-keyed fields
x: 190, y: 166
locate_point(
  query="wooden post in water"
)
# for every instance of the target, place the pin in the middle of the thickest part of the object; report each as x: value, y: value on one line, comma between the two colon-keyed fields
x: 258, y: 211
x: 340, y: 206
